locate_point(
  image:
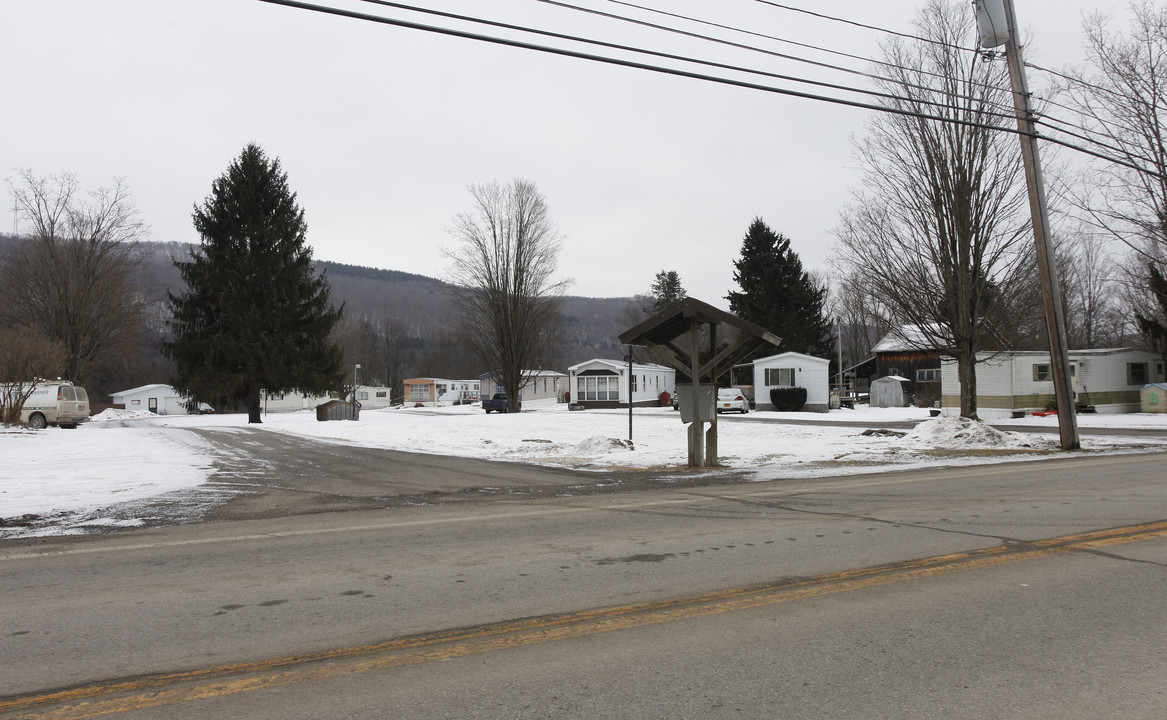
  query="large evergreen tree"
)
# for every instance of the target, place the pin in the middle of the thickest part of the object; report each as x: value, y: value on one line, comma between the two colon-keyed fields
x: 777, y: 294
x: 255, y: 314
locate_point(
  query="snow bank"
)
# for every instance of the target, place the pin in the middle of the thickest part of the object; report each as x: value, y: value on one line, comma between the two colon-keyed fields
x: 119, y: 414
x: 957, y: 433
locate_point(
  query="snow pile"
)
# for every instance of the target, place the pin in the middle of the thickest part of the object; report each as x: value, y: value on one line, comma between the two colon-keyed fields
x: 599, y: 445
x: 958, y: 433
x: 119, y: 414
x: 595, y: 451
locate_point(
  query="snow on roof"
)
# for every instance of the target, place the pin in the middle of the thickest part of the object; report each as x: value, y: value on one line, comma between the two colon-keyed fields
x: 906, y: 339
x: 144, y: 388
x: 791, y: 354
x: 621, y: 364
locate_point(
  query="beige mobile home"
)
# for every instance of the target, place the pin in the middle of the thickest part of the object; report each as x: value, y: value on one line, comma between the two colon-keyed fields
x: 1106, y: 381
x: 291, y: 401
x: 440, y: 391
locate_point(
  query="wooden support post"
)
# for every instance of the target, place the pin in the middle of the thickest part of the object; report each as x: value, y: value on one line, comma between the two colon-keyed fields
x: 711, y: 436
x: 697, y: 429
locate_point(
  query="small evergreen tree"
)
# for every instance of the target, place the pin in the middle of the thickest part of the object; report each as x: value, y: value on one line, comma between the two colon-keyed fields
x: 777, y: 294
x: 255, y: 314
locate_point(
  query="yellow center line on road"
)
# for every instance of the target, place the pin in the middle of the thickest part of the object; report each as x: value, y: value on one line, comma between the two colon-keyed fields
x: 165, y: 689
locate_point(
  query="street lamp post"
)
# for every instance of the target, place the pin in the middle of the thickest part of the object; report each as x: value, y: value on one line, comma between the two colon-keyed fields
x: 356, y: 369
x: 629, y: 393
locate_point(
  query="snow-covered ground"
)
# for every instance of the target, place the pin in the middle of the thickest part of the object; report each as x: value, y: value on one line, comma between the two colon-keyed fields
x: 67, y: 479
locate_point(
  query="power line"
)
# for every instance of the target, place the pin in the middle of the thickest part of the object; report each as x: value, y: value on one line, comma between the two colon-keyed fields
x: 791, y: 78
x: 930, y: 41
x: 1005, y: 111
x: 1053, y: 123
x: 775, y: 38
x: 680, y: 73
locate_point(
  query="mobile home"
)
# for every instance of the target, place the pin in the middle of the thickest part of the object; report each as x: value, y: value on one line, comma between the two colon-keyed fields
x: 1105, y: 381
x: 605, y: 383
x: 792, y: 369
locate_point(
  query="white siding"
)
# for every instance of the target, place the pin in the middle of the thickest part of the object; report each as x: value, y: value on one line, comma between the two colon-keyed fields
x: 1008, y: 379
x: 811, y: 372
x: 651, y: 380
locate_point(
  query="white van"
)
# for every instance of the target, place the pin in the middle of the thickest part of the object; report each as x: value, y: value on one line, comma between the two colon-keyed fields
x: 55, y: 403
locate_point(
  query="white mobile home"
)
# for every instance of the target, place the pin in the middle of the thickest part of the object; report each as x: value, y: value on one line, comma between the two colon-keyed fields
x: 1105, y: 380
x: 541, y: 388
x: 791, y: 369
x: 605, y: 383
x: 157, y: 398
x: 372, y: 397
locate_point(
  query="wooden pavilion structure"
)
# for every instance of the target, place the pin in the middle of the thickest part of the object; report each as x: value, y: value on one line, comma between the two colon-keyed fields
x: 680, y: 331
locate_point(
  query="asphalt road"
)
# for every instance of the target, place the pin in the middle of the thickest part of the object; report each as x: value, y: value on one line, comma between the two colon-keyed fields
x: 977, y: 592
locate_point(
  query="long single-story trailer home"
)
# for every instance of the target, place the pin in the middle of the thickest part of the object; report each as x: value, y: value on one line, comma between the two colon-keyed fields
x: 541, y: 388
x: 1105, y: 381
x: 792, y: 369
x: 291, y: 401
x: 157, y: 398
x: 604, y: 383
x: 372, y: 397
x: 440, y: 391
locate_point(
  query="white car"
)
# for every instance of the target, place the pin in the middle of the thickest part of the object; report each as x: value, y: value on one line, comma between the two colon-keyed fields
x: 732, y: 400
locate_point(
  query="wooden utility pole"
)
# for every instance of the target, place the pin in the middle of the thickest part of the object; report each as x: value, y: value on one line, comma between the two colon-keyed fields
x: 1050, y: 287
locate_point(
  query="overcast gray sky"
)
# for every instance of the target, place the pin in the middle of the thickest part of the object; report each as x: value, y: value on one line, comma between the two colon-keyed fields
x: 381, y: 129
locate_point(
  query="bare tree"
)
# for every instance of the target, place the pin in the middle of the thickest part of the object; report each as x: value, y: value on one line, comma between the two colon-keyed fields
x: 938, y: 232
x: 862, y: 318
x: 397, y: 354
x: 503, y: 273
x: 1122, y: 96
x: 26, y: 356
x: 69, y: 280
x: 1090, y: 283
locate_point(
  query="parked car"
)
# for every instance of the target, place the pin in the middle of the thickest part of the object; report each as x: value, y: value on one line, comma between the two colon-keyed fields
x: 732, y: 400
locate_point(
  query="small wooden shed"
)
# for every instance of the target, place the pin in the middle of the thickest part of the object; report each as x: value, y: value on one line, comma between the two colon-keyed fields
x: 337, y: 410
x: 1153, y: 398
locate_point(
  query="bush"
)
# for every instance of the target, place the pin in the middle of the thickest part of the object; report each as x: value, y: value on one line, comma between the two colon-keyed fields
x: 788, y: 399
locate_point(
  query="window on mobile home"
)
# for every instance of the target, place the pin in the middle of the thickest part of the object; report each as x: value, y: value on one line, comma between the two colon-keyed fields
x: 780, y: 377
x: 1136, y: 374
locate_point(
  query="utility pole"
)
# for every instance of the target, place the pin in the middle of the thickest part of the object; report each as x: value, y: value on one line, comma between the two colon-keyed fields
x: 1050, y: 287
